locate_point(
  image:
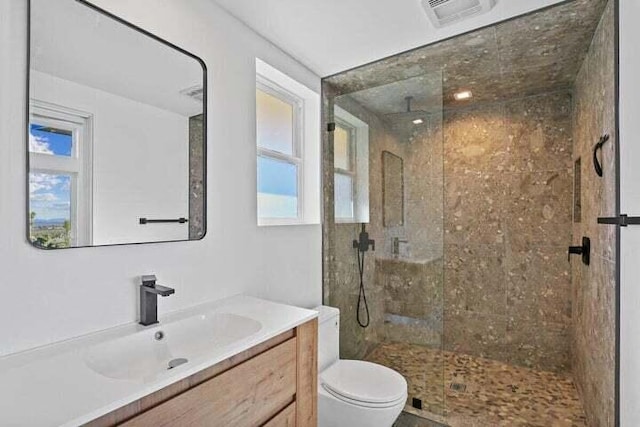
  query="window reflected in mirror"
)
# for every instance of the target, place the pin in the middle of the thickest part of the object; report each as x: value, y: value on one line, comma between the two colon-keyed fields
x: 116, y: 132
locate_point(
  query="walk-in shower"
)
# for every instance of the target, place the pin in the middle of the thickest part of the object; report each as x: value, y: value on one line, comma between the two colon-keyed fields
x: 471, y: 161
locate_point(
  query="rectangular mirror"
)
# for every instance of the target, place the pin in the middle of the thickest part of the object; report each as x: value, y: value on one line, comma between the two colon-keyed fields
x: 116, y: 132
x: 392, y: 190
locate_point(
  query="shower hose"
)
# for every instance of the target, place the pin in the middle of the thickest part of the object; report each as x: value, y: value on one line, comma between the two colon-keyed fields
x: 362, y: 296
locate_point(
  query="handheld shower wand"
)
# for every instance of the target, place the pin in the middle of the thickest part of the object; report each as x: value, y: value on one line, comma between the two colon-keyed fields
x: 362, y: 246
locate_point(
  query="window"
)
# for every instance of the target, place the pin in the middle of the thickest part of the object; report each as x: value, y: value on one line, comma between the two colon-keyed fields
x: 350, y: 168
x: 278, y: 119
x: 344, y: 170
x: 288, y: 149
x: 59, y: 177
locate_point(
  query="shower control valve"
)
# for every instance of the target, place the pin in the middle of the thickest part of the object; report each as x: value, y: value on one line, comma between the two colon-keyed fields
x: 364, y: 242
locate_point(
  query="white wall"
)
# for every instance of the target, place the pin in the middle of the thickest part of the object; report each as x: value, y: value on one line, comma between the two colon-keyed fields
x: 630, y: 204
x: 52, y: 295
x: 140, y: 161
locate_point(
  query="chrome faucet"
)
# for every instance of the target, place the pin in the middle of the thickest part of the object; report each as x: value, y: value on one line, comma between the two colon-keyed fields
x: 149, y: 292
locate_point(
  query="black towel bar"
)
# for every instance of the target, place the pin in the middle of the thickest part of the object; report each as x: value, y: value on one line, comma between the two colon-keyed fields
x: 622, y: 220
x: 158, y: 221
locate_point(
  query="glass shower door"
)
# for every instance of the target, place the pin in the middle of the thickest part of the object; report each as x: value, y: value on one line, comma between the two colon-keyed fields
x: 401, y: 174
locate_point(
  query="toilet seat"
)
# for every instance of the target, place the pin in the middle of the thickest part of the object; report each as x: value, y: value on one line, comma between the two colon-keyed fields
x: 364, y: 384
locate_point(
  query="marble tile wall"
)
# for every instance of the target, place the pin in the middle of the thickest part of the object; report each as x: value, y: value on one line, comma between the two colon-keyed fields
x: 420, y: 147
x: 489, y: 199
x: 413, y: 300
x: 506, y: 183
x: 531, y: 54
x: 341, y: 284
x: 339, y: 272
x: 197, y: 209
x: 508, y: 200
x: 497, y: 210
x: 594, y: 286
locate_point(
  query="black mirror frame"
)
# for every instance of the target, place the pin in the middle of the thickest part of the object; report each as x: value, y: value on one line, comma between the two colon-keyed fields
x: 204, y: 124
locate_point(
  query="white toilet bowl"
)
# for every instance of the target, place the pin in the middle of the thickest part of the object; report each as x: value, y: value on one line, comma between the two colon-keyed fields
x: 360, y: 394
x: 354, y: 393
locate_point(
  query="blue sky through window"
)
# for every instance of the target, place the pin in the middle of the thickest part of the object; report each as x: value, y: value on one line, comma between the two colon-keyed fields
x: 46, y: 140
x: 277, y: 188
x: 277, y: 177
x: 50, y: 193
x: 50, y: 196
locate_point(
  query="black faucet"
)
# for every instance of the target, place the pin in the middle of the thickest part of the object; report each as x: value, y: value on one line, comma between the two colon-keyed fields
x: 149, y: 292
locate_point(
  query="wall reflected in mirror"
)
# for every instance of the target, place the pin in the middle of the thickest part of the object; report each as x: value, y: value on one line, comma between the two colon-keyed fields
x: 116, y: 132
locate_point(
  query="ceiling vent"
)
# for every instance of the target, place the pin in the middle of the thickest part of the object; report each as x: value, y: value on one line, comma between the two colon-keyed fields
x: 447, y: 12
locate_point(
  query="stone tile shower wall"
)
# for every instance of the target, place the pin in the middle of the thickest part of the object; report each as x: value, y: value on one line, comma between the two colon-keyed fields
x: 404, y: 295
x: 196, y: 178
x: 507, y: 224
x: 508, y: 187
x: 341, y: 284
x: 594, y: 286
x: 505, y: 169
x: 489, y: 201
x: 413, y: 300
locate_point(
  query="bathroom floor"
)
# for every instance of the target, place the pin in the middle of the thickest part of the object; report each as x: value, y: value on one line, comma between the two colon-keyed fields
x: 409, y: 420
x: 481, y: 392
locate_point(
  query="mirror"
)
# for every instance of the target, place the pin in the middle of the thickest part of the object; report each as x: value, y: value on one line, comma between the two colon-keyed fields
x: 392, y: 190
x: 116, y: 132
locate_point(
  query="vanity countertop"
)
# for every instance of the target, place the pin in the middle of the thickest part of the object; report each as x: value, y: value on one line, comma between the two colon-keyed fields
x: 54, y: 386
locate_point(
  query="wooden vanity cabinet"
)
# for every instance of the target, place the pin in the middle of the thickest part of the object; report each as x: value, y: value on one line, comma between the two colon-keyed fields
x: 273, y: 384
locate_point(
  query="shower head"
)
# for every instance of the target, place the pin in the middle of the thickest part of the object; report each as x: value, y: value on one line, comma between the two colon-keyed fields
x: 410, y: 125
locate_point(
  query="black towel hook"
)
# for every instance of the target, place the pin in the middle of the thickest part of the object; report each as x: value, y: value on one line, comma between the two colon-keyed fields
x: 596, y: 163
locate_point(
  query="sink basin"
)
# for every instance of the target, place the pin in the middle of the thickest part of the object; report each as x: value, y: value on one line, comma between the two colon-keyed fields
x: 148, y: 353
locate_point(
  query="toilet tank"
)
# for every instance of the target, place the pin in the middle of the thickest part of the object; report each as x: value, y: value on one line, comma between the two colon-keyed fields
x: 328, y: 336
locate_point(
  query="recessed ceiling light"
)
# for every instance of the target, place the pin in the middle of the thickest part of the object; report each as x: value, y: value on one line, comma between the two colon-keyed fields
x: 418, y: 121
x: 461, y: 96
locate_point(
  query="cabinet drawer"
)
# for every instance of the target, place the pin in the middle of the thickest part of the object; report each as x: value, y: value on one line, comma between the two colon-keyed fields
x: 286, y: 417
x: 247, y: 395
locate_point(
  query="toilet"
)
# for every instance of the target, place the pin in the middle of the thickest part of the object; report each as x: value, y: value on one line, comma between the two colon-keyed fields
x: 353, y: 393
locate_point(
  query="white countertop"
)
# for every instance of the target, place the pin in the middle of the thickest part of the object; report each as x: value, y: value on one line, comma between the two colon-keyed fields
x: 53, y: 386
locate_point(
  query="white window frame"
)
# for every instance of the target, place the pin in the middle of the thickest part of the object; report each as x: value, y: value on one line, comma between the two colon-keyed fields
x: 352, y: 170
x: 359, y: 157
x: 297, y: 157
x: 79, y: 165
x: 310, y: 154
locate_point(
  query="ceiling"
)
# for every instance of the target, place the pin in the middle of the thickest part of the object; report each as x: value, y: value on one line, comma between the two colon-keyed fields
x: 536, y: 53
x: 330, y: 36
x: 72, y: 41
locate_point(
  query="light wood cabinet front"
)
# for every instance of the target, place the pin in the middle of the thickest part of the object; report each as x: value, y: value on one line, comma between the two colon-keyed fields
x: 273, y: 384
x: 248, y: 395
x: 286, y: 417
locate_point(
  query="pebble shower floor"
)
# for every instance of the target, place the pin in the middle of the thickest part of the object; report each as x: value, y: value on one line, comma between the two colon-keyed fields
x: 495, y: 393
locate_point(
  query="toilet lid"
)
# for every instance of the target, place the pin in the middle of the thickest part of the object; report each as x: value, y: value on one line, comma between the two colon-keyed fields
x: 364, y: 381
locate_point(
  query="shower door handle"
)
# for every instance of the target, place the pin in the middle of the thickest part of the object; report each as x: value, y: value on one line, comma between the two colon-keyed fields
x: 596, y: 163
